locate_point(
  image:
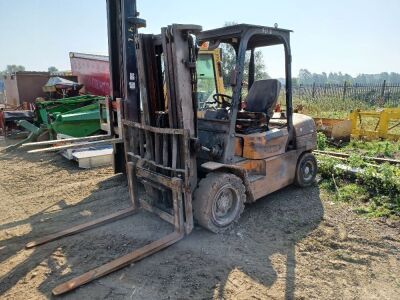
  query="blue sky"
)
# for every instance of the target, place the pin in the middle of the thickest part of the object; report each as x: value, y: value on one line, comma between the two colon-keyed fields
x: 351, y: 36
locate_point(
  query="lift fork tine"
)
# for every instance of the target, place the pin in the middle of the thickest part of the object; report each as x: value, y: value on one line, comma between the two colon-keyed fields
x: 82, y: 227
x: 119, y: 263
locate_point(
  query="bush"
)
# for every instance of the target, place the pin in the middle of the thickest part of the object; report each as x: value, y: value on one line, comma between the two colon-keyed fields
x: 383, y: 180
x: 377, y: 186
x: 352, y: 192
x: 326, y: 166
x: 321, y: 141
x: 374, y: 148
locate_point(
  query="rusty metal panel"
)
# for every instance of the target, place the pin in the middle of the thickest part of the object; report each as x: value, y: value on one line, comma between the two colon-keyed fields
x: 239, y: 146
x: 337, y: 129
x: 280, y: 172
x: 306, y: 142
x: 264, y: 144
x: 30, y: 85
x: 253, y: 166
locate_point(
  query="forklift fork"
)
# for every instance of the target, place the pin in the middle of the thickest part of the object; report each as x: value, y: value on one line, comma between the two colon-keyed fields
x: 83, y: 227
x: 175, y: 184
x: 119, y: 263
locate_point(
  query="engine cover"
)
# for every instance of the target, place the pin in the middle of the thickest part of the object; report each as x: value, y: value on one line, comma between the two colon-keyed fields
x: 305, y: 132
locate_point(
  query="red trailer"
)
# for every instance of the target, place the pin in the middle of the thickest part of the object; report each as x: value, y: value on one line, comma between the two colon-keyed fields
x: 92, y: 71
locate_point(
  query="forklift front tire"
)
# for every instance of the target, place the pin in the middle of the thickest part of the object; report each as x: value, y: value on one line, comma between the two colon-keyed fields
x: 219, y: 201
x: 306, y: 170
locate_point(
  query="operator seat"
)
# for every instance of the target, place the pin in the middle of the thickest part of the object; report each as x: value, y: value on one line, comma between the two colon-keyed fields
x: 263, y: 96
x: 261, y: 101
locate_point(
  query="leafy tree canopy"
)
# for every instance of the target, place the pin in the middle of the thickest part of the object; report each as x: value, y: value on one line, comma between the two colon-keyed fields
x: 52, y: 69
x: 306, y: 77
x: 12, y: 69
x: 229, y: 62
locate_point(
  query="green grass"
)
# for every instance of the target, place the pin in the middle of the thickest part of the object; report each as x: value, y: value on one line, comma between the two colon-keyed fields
x: 330, y: 107
x: 374, y: 192
x: 352, y: 192
x: 374, y: 148
x: 358, y: 148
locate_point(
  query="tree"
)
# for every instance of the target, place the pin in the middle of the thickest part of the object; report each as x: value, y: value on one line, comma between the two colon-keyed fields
x: 295, y: 81
x: 229, y: 62
x: 305, y: 77
x: 52, y: 69
x: 260, y: 69
x: 14, y: 68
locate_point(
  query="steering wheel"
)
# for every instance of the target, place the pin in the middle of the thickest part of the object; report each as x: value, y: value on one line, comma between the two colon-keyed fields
x: 223, y: 102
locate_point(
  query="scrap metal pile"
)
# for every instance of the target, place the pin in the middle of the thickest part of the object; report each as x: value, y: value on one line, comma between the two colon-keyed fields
x: 71, y: 117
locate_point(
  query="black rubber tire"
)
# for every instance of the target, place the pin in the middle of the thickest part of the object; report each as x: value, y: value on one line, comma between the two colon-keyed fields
x: 306, y: 170
x: 207, y: 198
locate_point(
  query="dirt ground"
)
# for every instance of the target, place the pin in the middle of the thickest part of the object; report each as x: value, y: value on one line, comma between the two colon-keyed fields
x: 294, y: 244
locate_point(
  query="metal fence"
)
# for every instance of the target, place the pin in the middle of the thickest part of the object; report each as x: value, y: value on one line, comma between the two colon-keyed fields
x: 383, y: 94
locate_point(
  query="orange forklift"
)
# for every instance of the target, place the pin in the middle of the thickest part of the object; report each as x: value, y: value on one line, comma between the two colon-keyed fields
x: 192, y: 153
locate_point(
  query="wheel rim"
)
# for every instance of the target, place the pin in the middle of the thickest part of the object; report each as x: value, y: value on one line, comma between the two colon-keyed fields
x: 225, y: 205
x: 307, y: 170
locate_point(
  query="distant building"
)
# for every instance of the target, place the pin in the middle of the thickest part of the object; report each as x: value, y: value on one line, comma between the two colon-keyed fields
x: 24, y: 86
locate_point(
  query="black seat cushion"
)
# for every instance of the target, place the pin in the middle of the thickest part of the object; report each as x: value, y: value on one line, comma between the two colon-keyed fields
x: 263, y: 96
x: 251, y: 122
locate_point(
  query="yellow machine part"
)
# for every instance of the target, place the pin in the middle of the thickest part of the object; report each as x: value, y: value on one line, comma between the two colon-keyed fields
x: 383, y: 125
x: 217, y: 61
x: 216, y: 54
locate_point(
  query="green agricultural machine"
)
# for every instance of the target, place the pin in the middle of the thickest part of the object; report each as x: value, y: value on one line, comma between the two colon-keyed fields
x: 75, y: 116
x: 72, y: 117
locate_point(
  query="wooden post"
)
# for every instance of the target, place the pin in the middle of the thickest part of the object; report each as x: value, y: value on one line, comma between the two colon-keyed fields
x: 344, y: 90
x: 313, y: 90
x: 383, y: 92
x: 383, y: 88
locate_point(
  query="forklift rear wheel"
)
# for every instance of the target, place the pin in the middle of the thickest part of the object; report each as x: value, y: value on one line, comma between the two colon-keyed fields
x: 306, y: 170
x: 219, y: 201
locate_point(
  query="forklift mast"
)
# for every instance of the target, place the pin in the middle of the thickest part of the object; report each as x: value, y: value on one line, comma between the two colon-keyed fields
x: 123, y: 23
x: 157, y: 132
x: 158, y: 148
